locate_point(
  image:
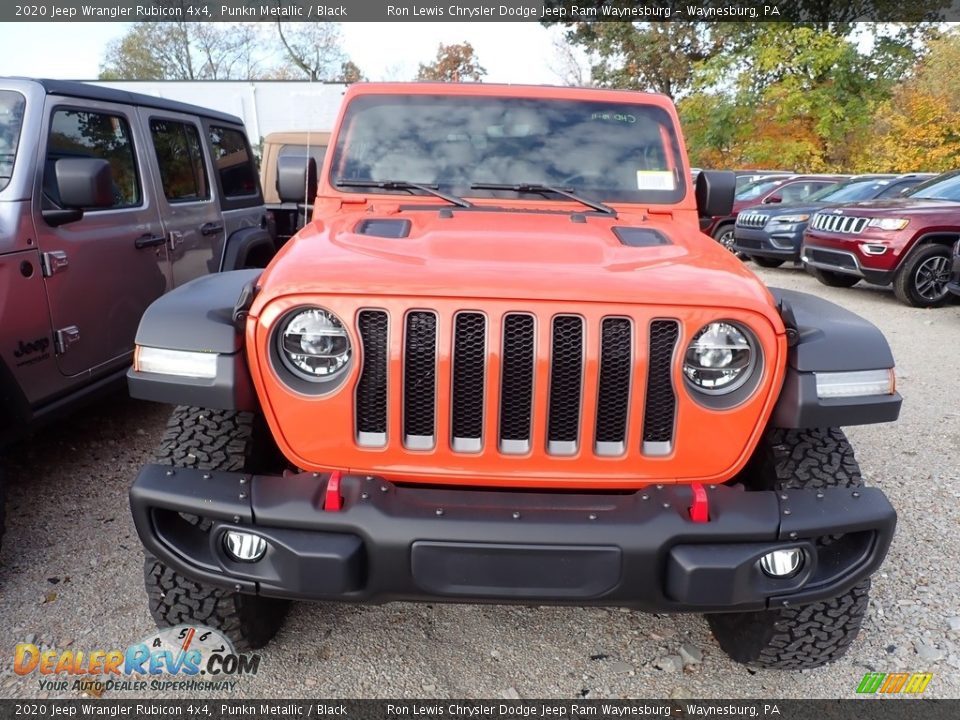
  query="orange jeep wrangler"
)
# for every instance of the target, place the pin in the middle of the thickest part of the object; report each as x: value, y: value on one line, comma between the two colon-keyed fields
x: 502, y: 364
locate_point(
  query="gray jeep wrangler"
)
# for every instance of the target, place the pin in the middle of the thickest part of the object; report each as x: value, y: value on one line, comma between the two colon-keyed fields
x: 108, y: 199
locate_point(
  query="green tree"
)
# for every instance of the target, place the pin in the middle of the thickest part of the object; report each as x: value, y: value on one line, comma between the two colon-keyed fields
x: 454, y: 63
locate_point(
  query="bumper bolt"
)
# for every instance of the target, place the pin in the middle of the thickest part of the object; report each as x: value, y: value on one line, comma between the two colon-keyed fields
x: 644, y: 497
x: 439, y: 511
x: 786, y: 512
x: 316, y: 474
x: 659, y: 487
x: 516, y: 516
x: 237, y: 588
x: 206, y: 476
x: 243, y: 481
x: 364, y: 496
x: 170, y: 472
x: 667, y: 505
x: 783, y: 497
x: 856, y: 494
x: 243, y: 495
x: 236, y: 518
x: 383, y: 488
x: 819, y: 496
x: 369, y: 478
x: 793, y: 536
x: 591, y: 516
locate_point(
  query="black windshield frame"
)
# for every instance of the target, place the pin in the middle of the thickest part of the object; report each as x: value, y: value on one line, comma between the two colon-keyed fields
x: 431, y: 128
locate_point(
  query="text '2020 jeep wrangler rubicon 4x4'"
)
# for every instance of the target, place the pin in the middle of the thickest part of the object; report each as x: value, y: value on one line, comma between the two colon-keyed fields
x: 108, y: 199
x: 493, y: 368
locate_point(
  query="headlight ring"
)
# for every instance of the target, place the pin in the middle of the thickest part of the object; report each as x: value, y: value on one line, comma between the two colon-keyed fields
x: 313, y: 348
x: 722, y: 364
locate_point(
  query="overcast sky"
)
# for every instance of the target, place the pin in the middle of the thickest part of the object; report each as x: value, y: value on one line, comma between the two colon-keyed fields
x: 518, y: 52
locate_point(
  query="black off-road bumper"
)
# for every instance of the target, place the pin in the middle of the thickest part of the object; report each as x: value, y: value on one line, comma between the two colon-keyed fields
x: 392, y: 542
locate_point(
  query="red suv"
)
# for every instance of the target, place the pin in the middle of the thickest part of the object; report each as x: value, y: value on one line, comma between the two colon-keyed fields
x: 768, y: 190
x: 904, y: 241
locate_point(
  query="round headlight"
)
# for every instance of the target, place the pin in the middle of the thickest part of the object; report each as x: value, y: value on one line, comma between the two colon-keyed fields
x: 314, y: 344
x: 720, y: 358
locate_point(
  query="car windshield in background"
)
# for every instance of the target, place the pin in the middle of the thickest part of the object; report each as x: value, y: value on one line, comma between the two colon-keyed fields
x: 12, y: 105
x: 756, y: 189
x: 851, y: 191
x: 942, y: 187
x: 604, y: 151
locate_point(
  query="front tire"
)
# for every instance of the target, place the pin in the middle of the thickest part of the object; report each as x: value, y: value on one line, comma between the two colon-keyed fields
x: 833, y: 279
x: 724, y: 236
x: 808, y: 636
x: 213, y: 440
x: 766, y: 261
x: 922, y: 279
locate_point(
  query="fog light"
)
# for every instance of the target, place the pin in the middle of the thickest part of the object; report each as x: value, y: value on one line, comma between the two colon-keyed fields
x: 782, y: 563
x: 244, y: 546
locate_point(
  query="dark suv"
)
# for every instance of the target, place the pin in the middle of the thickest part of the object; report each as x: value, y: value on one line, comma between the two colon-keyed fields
x: 906, y: 242
x: 772, y: 235
x: 767, y: 191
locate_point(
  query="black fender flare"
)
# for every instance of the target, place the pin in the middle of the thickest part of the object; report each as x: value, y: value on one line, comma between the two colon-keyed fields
x: 824, y: 337
x: 199, y: 317
x: 245, y: 244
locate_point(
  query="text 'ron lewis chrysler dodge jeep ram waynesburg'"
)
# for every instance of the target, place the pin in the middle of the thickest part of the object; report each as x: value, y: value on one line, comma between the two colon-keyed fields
x: 493, y: 368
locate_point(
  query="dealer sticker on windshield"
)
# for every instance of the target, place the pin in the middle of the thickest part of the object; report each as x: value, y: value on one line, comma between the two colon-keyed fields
x: 655, y: 180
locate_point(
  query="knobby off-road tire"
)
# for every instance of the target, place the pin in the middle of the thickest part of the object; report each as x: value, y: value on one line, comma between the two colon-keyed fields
x: 808, y: 636
x: 213, y: 440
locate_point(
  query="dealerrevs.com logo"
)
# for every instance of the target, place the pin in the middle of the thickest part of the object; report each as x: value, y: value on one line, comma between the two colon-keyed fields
x: 894, y: 683
x: 176, y: 659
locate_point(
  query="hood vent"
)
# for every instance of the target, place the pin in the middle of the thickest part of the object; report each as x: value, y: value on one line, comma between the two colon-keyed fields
x: 383, y: 227
x: 640, y: 237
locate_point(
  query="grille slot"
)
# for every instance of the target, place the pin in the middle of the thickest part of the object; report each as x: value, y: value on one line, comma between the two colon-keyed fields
x: 371, y: 409
x: 752, y: 219
x: 613, y: 393
x: 516, y: 386
x: 839, y: 223
x: 469, y: 382
x: 420, y: 381
x: 566, y: 385
x: 661, y: 401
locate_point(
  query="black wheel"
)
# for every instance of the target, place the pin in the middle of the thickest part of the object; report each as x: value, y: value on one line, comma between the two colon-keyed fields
x: 724, y: 236
x: 213, y: 440
x: 833, y: 279
x: 922, y: 279
x: 766, y: 261
x: 811, y: 635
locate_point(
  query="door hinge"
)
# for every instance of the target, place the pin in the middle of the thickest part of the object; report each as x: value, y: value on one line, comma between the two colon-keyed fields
x: 176, y: 239
x: 53, y: 262
x: 66, y: 337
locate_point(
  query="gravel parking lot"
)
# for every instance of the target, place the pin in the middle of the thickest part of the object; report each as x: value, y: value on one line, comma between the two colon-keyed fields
x: 71, y: 569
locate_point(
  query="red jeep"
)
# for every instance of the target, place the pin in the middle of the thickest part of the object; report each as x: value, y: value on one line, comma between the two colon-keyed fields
x: 904, y: 241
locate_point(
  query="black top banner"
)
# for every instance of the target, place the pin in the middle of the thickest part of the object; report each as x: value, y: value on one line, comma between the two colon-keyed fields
x: 813, y: 11
x: 210, y: 709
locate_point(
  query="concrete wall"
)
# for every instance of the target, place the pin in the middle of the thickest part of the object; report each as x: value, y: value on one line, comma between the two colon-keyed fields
x: 265, y: 106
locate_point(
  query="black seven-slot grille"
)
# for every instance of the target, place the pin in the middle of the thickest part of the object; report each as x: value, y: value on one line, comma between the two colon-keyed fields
x: 470, y: 388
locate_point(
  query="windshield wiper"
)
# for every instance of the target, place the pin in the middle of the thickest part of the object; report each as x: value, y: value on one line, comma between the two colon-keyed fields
x: 543, y: 190
x: 405, y: 185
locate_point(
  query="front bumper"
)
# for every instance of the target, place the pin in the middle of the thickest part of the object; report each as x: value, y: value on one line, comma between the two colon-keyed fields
x: 779, y: 244
x: 394, y: 542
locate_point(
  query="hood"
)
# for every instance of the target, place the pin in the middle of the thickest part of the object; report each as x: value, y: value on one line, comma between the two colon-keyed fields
x: 514, y: 254
x: 901, y: 206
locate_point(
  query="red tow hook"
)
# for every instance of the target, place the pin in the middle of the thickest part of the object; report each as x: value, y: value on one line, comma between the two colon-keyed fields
x: 332, y: 501
x: 700, y: 510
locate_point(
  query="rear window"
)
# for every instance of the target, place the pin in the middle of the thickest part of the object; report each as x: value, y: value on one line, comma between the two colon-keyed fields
x: 12, y: 105
x: 608, y: 151
x: 238, y: 176
x: 180, y: 158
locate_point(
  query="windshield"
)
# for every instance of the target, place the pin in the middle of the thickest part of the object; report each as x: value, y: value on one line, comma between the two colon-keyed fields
x: 756, y: 189
x: 11, y: 117
x: 847, y: 192
x: 605, y: 151
x: 942, y: 187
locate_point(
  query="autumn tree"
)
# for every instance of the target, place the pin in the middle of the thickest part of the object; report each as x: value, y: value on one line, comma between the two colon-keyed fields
x: 454, y: 63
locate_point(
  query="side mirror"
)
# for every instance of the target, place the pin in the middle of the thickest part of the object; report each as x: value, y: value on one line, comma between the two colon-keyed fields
x: 773, y: 199
x: 82, y: 183
x: 294, y: 174
x: 715, y: 190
